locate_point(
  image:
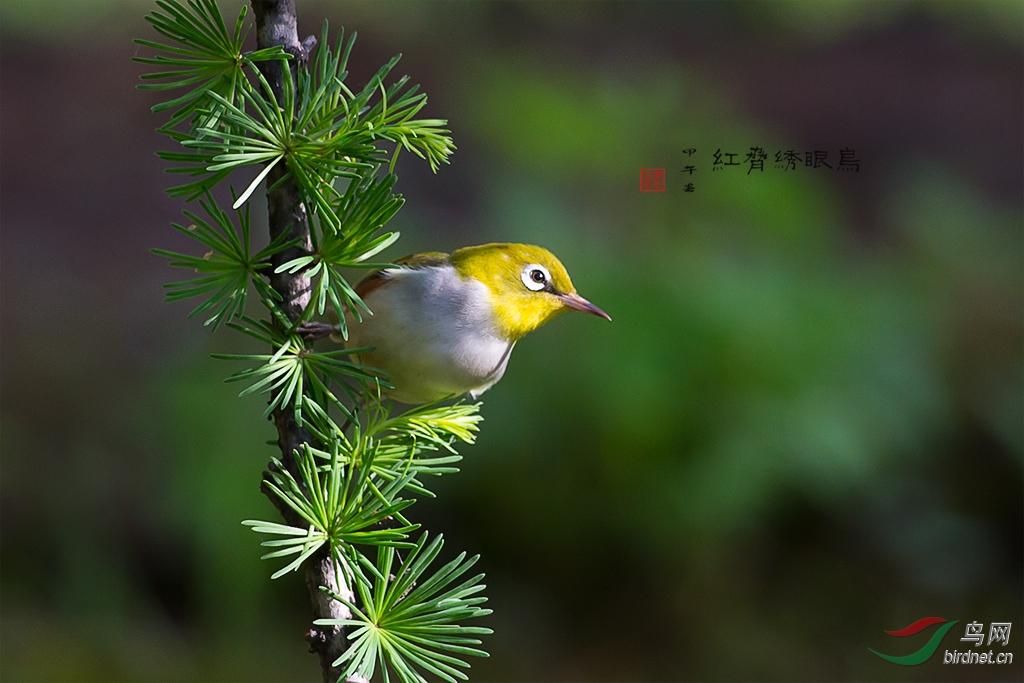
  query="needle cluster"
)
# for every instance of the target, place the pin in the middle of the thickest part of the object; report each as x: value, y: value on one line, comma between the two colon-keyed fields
x: 346, y: 492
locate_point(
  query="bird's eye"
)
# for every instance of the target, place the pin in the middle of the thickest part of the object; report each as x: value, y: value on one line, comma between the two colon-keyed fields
x: 535, y: 277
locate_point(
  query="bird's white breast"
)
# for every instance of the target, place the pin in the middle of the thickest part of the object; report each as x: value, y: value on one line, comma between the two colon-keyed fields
x: 434, y: 334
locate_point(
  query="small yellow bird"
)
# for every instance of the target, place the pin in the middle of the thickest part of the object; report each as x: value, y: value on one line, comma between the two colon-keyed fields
x: 445, y: 325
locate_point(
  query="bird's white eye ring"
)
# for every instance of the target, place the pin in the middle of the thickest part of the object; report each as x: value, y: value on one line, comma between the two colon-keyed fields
x: 536, y: 277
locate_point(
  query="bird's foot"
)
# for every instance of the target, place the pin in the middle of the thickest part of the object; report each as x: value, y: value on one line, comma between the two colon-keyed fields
x: 313, y: 330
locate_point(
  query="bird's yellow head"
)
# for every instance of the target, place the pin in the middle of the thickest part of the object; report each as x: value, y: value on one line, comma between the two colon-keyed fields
x: 529, y: 285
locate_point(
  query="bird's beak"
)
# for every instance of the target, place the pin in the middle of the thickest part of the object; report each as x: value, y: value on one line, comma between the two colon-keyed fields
x: 577, y: 302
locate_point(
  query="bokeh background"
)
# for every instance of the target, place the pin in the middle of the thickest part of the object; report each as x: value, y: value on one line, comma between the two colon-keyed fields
x: 803, y: 427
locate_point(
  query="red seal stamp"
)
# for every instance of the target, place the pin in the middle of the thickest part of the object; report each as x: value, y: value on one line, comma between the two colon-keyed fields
x: 652, y: 180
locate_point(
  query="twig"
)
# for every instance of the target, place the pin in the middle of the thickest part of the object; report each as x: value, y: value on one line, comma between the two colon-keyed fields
x: 276, y: 25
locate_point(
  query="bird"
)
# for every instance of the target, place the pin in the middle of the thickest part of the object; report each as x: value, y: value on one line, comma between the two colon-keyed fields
x: 444, y: 325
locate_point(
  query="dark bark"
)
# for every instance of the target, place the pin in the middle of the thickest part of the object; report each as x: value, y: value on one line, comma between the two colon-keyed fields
x: 276, y: 25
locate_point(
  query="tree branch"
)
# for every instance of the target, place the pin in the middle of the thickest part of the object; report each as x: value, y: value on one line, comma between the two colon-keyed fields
x: 276, y: 25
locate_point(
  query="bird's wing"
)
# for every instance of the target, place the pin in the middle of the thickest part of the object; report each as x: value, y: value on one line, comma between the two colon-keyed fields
x: 427, y: 259
x: 379, y: 277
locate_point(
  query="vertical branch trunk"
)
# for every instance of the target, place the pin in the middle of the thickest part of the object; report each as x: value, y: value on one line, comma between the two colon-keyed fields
x: 276, y: 25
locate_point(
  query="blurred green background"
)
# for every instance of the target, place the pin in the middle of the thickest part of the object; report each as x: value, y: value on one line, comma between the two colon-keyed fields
x: 804, y: 426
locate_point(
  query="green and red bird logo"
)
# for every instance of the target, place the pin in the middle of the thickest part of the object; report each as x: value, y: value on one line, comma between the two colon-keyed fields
x: 928, y: 649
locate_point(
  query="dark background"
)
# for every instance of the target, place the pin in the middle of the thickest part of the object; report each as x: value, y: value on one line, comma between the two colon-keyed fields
x: 803, y: 428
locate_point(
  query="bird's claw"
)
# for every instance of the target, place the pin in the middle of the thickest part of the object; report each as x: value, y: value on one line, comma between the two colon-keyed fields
x: 313, y: 330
